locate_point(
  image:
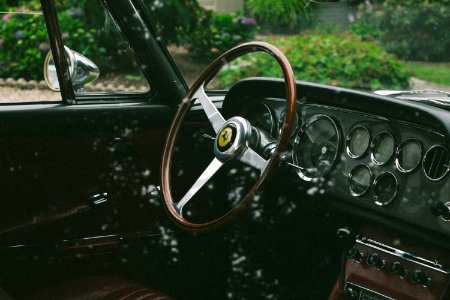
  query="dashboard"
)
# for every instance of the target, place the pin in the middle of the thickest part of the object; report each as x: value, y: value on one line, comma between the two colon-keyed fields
x: 365, y: 153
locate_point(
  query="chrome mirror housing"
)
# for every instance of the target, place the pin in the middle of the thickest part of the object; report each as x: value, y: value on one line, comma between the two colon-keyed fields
x: 82, y: 70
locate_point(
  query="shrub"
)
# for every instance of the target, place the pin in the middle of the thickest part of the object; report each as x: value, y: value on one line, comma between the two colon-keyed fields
x: 413, y: 30
x: 215, y: 33
x: 281, y: 15
x: 337, y: 59
x: 173, y: 17
x: 23, y: 46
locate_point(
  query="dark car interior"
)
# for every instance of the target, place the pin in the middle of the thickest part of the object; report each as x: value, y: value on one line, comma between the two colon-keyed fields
x: 356, y: 205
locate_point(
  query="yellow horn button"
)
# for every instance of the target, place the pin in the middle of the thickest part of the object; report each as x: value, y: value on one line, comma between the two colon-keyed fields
x: 225, y: 137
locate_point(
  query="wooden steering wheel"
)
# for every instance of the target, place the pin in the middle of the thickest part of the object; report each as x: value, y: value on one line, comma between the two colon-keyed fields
x: 232, y: 137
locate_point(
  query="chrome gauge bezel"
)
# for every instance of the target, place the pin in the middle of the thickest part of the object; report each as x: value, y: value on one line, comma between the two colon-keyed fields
x: 349, y: 138
x: 398, y: 152
x: 303, y: 128
x: 374, y: 143
x: 350, y: 176
x: 377, y: 181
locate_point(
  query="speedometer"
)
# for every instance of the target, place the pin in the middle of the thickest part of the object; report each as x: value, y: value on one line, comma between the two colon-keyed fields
x: 316, y: 147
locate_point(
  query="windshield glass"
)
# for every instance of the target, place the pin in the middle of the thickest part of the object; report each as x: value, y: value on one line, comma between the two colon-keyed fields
x: 366, y: 45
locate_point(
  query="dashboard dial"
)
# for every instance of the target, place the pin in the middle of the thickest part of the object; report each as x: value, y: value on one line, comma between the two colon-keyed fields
x: 385, y: 189
x: 316, y: 147
x: 359, y: 180
x: 294, y: 126
x: 408, y: 155
x: 383, y: 147
x: 261, y: 116
x: 358, y: 141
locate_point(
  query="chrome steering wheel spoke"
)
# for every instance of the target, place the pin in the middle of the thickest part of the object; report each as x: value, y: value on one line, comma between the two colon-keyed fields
x: 250, y: 157
x: 212, y: 169
x: 214, y: 116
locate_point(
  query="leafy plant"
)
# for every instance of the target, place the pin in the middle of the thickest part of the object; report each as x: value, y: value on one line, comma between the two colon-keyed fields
x: 173, y: 17
x: 279, y: 14
x: 413, y: 29
x: 336, y: 59
x: 215, y: 33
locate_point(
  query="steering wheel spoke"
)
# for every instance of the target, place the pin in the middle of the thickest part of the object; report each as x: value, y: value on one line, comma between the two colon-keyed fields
x: 212, y: 168
x: 214, y: 116
x: 250, y: 157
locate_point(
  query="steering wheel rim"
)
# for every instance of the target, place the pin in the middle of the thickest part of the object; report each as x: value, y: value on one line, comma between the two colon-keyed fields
x: 226, y: 136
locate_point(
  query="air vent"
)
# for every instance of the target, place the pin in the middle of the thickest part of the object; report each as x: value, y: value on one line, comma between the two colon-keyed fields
x: 436, y: 163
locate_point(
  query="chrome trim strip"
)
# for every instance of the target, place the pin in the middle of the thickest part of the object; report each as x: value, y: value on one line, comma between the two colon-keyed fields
x: 434, y: 265
x: 366, y: 289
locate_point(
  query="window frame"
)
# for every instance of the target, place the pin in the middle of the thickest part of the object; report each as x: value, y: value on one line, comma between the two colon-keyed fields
x: 167, y: 86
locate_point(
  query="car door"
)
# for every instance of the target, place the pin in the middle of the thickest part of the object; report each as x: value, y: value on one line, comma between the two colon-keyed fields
x: 80, y: 173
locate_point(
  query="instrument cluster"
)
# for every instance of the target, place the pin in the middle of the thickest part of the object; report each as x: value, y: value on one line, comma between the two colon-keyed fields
x: 365, y: 160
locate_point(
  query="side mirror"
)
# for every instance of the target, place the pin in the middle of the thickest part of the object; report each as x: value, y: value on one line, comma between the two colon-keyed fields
x: 82, y: 70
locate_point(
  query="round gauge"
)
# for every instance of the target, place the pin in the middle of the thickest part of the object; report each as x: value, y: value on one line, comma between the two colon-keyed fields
x: 408, y: 155
x: 359, y: 180
x: 385, y: 189
x: 383, y: 147
x: 358, y: 141
x: 261, y: 116
x: 316, y: 147
x: 281, y: 122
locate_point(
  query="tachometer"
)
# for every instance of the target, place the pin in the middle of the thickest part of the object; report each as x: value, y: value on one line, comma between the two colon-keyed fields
x: 316, y: 147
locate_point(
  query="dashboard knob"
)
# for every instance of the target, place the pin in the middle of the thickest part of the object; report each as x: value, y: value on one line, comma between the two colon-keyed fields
x: 419, y: 277
x: 375, y: 260
x: 440, y: 209
x: 396, y: 268
x: 355, y: 254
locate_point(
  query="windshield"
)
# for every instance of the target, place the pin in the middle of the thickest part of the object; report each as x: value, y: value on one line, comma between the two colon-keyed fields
x: 366, y: 45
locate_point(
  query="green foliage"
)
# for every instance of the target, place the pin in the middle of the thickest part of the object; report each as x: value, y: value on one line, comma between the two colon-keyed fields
x: 279, y: 14
x: 215, y: 33
x: 336, y: 59
x: 23, y: 46
x: 413, y: 29
x: 172, y: 17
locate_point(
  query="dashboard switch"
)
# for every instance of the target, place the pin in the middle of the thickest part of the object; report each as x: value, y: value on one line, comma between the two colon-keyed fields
x: 396, y: 268
x: 375, y: 260
x: 440, y: 209
x: 419, y: 277
x: 354, y: 253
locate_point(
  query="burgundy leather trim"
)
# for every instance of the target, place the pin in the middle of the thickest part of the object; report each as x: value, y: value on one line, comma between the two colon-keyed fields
x: 99, y: 287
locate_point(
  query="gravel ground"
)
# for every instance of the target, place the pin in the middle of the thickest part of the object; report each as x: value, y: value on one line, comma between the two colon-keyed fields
x: 10, y: 94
